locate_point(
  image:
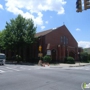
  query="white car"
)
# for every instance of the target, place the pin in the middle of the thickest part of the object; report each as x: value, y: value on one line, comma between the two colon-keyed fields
x: 2, y: 58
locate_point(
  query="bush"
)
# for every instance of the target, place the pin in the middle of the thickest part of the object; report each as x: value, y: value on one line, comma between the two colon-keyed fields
x: 89, y: 57
x: 70, y: 60
x: 84, y: 57
x: 18, y: 58
x: 47, y: 58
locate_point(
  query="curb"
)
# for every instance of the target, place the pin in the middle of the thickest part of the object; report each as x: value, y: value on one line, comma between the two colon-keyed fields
x: 55, y: 67
x: 68, y: 66
x: 77, y: 66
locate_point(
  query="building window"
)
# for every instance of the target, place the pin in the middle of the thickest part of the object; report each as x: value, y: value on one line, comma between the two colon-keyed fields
x: 64, y: 40
x: 61, y: 39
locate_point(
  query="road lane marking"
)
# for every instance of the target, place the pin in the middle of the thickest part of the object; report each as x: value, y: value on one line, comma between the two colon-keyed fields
x: 23, y: 68
x: 1, y: 71
x: 12, y: 69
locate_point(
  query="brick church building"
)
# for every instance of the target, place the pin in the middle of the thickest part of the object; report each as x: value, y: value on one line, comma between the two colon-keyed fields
x: 58, y: 43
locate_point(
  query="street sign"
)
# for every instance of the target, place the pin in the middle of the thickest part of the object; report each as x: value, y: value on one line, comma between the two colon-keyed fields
x: 40, y: 48
x: 48, y: 52
x: 40, y: 54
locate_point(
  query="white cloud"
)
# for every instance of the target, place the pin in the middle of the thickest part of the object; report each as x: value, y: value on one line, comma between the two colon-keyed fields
x: 84, y: 44
x: 1, y: 7
x: 42, y: 27
x: 46, y: 22
x: 32, y: 7
x: 54, y: 28
x: 78, y: 29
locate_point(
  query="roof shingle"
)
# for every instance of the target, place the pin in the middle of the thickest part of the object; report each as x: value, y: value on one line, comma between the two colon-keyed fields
x: 43, y: 33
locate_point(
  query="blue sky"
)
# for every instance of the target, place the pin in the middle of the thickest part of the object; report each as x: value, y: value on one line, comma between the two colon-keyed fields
x: 49, y: 14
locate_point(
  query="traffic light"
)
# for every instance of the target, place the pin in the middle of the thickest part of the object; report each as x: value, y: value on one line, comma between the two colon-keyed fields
x: 79, y: 6
x: 40, y: 48
x: 86, y: 4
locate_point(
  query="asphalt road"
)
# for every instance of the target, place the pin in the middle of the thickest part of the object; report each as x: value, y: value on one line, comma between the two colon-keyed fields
x: 21, y: 77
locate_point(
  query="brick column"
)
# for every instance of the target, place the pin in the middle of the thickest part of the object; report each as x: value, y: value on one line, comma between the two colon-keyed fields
x: 63, y: 52
x: 67, y: 51
x: 59, y: 53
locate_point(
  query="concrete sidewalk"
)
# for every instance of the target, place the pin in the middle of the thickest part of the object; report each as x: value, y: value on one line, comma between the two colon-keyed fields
x: 69, y: 65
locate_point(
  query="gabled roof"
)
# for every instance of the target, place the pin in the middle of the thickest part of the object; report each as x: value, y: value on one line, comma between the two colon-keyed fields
x: 50, y: 30
x: 43, y: 33
x: 46, y: 31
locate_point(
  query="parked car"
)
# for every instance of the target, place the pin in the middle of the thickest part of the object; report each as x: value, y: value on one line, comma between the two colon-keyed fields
x: 2, y: 59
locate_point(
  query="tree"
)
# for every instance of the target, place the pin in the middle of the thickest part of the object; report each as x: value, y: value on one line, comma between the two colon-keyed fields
x: 18, y: 32
x: 2, y: 35
x: 84, y: 57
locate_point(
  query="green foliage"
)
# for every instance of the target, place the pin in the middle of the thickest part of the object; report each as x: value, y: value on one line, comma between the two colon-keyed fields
x: 84, y: 57
x: 18, y: 58
x: 46, y: 58
x: 70, y: 60
x: 17, y: 32
x: 2, y: 41
x: 89, y: 57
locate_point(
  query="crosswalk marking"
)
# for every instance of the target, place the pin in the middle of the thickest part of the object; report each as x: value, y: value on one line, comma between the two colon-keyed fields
x: 18, y: 68
x: 1, y: 71
x: 22, y: 67
x: 12, y: 69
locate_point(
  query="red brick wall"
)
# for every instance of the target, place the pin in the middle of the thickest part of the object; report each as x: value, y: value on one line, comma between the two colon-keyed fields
x: 54, y: 37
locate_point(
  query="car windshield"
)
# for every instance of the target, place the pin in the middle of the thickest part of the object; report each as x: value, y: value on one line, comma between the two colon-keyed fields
x: 2, y: 57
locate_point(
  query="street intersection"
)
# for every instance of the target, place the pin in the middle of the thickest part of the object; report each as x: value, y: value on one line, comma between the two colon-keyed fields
x: 34, y: 77
x: 17, y: 68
